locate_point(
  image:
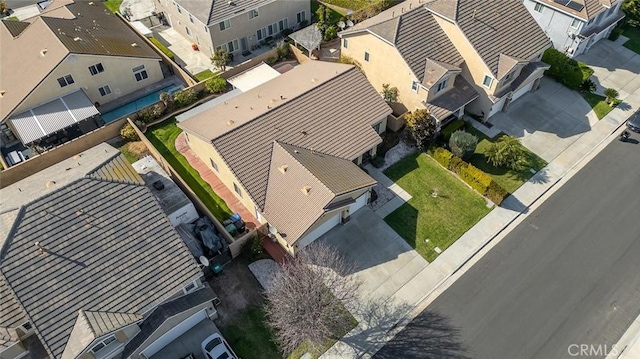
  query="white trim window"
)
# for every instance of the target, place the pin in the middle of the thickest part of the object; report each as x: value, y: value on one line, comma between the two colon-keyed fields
x: 104, y: 90
x: 487, y: 81
x: 224, y: 25
x: 140, y: 73
x: 237, y: 189
x: 272, y: 29
x: 253, y: 14
x: 442, y: 85
x: 283, y: 24
x: 214, y: 165
x: 366, y: 56
x: 414, y: 86
x: 102, y: 344
x: 301, y: 16
x: 65, y: 80
x: 575, y: 23
x: 539, y: 7
x: 96, y: 69
x: 261, y: 33
x: 345, y: 43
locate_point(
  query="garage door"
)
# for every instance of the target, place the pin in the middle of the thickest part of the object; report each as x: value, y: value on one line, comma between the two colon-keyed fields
x: 497, y: 107
x: 522, y: 91
x: 324, y: 228
x: 174, y: 333
x: 360, y: 202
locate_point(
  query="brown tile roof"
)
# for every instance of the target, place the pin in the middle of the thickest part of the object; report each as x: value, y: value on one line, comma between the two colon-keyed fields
x: 495, y: 27
x: 434, y: 70
x: 333, y: 117
x: 290, y: 209
x: 58, y: 37
x: 461, y: 94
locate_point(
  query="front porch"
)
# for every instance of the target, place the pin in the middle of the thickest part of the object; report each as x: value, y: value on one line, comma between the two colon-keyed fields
x: 450, y: 105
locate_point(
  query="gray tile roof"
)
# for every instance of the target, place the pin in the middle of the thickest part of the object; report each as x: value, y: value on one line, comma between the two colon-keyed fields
x: 108, y: 248
x: 461, y: 94
x: 15, y: 27
x: 213, y: 11
x: 495, y: 27
x: 387, y: 29
x: 11, y: 313
x: 291, y: 209
x: 590, y: 9
x: 526, y: 71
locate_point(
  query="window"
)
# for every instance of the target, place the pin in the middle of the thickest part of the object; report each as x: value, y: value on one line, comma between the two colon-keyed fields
x: 376, y: 127
x: 26, y: 326
x: 232, y: 45
x: 140, y: 73
x: 272, y: 29
x: 96, y: 69
x: 539, y: 7
x: 283, y: 24
x: 442, y: 85
x: 191, y: 287
x: 262, y: 33
x: 179, y: 9
x: 487, y: 81
x: 104, y: 90
x: 188, y: 31
x: 191, y: 18
x: 301, y: 16
x: 345, y: 43
x: 575, y: 23
x: 103, y: 343
x: 214, y: 165
x: 237, y: 189
x: 224, y: 25
x: 366, y: 56
x: 414, y: 86
x: 65, y: 80
x: 253, y: 13
x: 508, y: 76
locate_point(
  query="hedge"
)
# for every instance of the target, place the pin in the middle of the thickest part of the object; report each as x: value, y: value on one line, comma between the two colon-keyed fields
x: 568, y: 72
x: 451, y: 128
x: 162, y: 48
x: 473, y: 176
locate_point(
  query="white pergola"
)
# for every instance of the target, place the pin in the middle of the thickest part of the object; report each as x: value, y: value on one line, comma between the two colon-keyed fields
x: 310, y: 38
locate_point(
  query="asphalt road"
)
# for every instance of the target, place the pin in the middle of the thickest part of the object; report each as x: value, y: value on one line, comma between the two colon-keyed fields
x: 567, y: 275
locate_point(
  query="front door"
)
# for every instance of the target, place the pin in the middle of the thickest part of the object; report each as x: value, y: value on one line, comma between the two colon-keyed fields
x: 244, y: 46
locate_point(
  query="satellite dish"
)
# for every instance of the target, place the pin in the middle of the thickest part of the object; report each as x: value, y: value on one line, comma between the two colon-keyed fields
x: 341, y: 25
x: 204, y: 261
x: 349, y: 23
x: 349, y: 12
x: 273, y: 230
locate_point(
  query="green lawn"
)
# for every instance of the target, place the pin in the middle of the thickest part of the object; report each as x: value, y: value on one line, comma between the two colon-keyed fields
x: 162, y: 48
x: 508, y: 179
x: 113, y: 5
x: 204, y: 75
x: 333, y: 18
x: 250, y: 338
x: 130, y: 156
x: 633, y: 33
x: 163, y: 137
x: 441, y: 220
x: 598, y: 104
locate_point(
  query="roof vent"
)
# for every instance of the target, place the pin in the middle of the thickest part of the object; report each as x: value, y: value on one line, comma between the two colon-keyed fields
x: 2, y: 92
x: 42, y: 250
x: 77, y: 157
x: 158, y: 185
x: 282, y: 97
x: 43, y: 52
x: 313, y: 79
x: 283, y: 168
x: 77, y: 39
x: 90, y: 2
x: 135, y: 44
x: 230, y: 123
x: 230, y: 3
x: 273, y: 100
x: 306, y: 190
x: 304, y: 133
x: 50, y: 184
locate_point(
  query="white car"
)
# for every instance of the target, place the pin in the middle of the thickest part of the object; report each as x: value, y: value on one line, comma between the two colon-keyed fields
x: 215, y: 347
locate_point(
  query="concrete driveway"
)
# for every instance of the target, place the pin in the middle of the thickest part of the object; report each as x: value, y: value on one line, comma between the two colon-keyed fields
x: 547, y: 121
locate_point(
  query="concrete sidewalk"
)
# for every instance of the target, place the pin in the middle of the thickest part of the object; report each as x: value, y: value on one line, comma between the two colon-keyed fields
x: 428, y: 283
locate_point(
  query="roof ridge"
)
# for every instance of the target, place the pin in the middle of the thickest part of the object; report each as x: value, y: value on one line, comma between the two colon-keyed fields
x: 303, y: 166
x: 115, y: 156
x: 83, y: 315
x: 24, y: 310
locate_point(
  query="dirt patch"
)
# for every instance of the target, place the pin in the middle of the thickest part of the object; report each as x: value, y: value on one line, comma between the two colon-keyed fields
x: 237, y: 289
x: 139, y: 149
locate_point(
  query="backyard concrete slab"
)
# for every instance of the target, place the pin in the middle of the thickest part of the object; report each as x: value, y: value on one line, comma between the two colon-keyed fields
x: 190, y: 60
x: 26, y: 12
x: 189, y: 342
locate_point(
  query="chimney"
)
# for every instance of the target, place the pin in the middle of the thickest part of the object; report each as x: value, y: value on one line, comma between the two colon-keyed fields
x: 283, y: 168
x: 306, y: 190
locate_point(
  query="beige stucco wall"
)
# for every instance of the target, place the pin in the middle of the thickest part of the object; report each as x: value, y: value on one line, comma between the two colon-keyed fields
x: 432, y: 95
x: 205, y: 151
x: 117, y: 74
x: 180, y: 21
x: 382, y: 58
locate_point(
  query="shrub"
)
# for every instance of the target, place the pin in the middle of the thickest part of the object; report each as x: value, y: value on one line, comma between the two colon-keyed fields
x: 271, y: 60
x: 390, y: 94
x: 475, y: 178
x: 422, y: 126
x: 442, y: 156
x: 587, y: 86
x: 304, y: 23
x: 162, y: 48
x: 568, y: 72
x: 508, y: 152
x: 615, y: 34
x: 496, y: 193
x: 128, y: 133
x: 369, y: 11
x: 452, y: 127
x: 463, y: 144
x: 254, y: 249
x: 330, y: 33
x: 631, y: 8
x: 185, y: 97
x: 220, y: 59
x: 456, y: 164
x: 283, y: 51
x: 216, y: 85
x: 612, y: 95
x: 286, y: 32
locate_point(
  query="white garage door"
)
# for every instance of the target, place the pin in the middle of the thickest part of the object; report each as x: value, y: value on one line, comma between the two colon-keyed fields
x: 324, y: 228
x: 522, y: 91
x: 360, y: 202
x: 497, y: 107
x: 174, y: 333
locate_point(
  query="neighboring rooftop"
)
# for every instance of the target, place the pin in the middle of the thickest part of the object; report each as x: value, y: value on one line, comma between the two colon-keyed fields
x: 212, y: 12
x: 583, y: 9
x: 253, y: 77
x: 88, y: 238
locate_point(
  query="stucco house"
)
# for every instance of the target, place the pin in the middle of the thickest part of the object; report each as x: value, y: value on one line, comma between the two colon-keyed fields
x: 59, y: 66
x: 451, y: 56
x: 90, y: 265
x: 290, y: 148
x: 234, y: 25
x: 575, y: 25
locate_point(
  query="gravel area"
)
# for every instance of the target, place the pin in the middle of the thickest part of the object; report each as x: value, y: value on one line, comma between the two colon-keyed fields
x: 398, y: 152
x: 264, y: 270
x: 384, y: 195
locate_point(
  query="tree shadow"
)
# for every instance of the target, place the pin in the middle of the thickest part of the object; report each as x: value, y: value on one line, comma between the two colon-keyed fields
x: 624, y: 106
x: 514, y: 204
x: 540, y: 177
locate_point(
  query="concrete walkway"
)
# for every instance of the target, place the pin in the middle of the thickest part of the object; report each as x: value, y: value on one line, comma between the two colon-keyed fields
x: 400, y: 195
x: 425, y: 286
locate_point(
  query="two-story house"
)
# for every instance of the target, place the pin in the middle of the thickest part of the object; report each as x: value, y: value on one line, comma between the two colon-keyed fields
x: 575, y: 25
x: 289, y: 148
x: 59, y: 66
x: 233, y: 25
x: 90, y: 265
x: 451, y: 55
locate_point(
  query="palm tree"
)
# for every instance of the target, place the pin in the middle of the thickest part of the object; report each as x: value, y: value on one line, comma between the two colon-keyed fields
x: 612, y: 95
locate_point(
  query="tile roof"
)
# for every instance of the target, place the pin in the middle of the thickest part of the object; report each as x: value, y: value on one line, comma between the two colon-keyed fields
x: 107, y: 246
x: 15, y: 27
x: 334, y: 116
x: 526, y: 71
x: 461, y: 94
x: 213, y: 11
x: 291, y: 209
x: 495, y: 27
x: 590, y: 8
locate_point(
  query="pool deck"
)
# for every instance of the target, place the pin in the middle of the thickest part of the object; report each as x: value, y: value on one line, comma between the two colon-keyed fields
x: 130, y: 97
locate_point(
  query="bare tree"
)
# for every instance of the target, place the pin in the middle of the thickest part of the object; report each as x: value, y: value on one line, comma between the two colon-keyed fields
x: 306, y: 300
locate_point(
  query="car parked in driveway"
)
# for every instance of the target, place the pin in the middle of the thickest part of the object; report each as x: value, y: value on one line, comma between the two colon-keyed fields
x: 215, y: 347
x: 633, y: 123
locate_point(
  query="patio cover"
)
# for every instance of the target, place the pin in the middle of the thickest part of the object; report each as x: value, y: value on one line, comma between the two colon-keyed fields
x: 53, y: 116
x: 253, y: 77
x: 310, y: 37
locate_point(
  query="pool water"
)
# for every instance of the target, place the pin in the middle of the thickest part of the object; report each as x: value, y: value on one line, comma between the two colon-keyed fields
x: 138, y: 104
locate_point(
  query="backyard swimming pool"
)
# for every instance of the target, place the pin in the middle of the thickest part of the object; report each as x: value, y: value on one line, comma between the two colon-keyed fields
x: 138, y: 104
